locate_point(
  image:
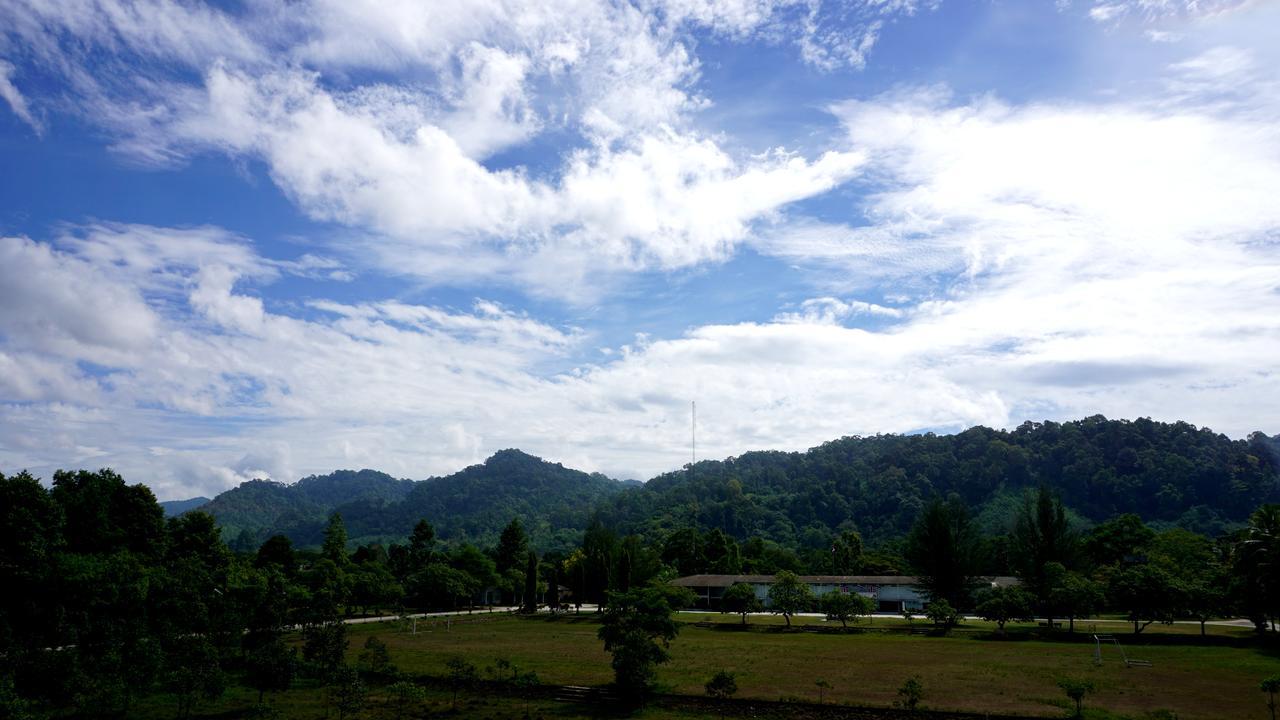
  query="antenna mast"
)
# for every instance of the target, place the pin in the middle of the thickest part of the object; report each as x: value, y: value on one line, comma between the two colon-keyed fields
x: 693, y: 435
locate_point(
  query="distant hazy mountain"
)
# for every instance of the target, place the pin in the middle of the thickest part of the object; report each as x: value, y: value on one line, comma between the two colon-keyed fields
x: 177, y: 507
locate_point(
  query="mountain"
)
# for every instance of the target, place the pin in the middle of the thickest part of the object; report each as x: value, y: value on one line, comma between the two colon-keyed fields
x: 1168, y: 473
x: 259, y: 508
x: 177, y: 507
x: 554, y: 503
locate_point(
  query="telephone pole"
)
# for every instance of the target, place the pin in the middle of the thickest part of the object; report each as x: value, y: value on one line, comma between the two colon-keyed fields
x: 693, y: 435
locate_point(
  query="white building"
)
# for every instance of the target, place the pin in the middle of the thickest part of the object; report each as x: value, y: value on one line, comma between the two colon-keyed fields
x: 891, y: 593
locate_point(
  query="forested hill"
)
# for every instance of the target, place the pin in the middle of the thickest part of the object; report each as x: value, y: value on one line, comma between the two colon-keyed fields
x: 473, y: 505
x: 258, y: 508
x: 177, y: 507
x: 1171, y: 472
x: 553, y: 502
x: 1167, y: 473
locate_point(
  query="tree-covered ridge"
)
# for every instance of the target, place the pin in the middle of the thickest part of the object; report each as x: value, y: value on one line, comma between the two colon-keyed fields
x: 1174, y: 473
x: 474, y: 504
x: 1166, y: 473
x: 471, y: 505
x: 260, y: 507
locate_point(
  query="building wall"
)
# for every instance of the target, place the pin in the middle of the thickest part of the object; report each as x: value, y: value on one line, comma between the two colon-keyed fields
x: 889, y: 598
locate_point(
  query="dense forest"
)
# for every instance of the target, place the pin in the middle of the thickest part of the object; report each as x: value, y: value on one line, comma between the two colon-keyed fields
x: 1168, y: 474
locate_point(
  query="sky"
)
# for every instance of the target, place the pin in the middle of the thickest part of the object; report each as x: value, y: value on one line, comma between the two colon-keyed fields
x: 259, y: 239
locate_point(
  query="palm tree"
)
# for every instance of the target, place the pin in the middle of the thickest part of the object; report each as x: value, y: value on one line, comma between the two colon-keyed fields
x: 1260, y: 556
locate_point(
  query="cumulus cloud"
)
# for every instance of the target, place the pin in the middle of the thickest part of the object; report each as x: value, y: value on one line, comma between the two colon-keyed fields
x: 402, y: 160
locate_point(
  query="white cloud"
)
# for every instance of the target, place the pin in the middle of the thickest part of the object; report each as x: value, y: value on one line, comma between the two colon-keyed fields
x: 832, y: 311
x: 401, y: 159
x: 1105, y: 11
x: 12, y: 96
x: 665, y: 199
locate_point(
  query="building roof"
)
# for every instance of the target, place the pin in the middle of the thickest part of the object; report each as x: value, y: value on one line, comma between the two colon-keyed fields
x: 727, y: 580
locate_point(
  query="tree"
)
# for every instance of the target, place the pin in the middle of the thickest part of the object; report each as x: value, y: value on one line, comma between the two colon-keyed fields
x: 944, y: 550
x: 1259, y: 561
x: 1205, y: 600
x: 406, y: 694
x: 335, y: 541
x: 788, y: 596
x: 683, y: 550
x: 846, y: 553
x: 421, y: 546
x: 277, y: 551
x: 942, y: 615
x: 194, y: 673
x: 513, y: 545
x: 438, y: 584
x: 553, y: 586
x: 740, y: 598
x: 270, y: 667
x: 324, y: 647
x: 1123, y: 536
x: 479, y: 570
x: 1147, y: 594
x: 1002, y: 604
x: 599, y: 550
x: 721, y: 686
x: 1076, y: 689
x: 723, y: 556
x: 348, y: 693
x: 1076, y: 596
x: 911, y: 693
x: 1042, y: 536
x: 373, y: 586
x: 531, y: 583
x: 637, y: 629
x: 844, y: 606
x: 1271, y: 686
x: 462, y: 674
x: 375, y: 658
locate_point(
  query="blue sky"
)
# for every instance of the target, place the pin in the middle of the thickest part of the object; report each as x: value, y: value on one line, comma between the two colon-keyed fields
x: 266, y: 240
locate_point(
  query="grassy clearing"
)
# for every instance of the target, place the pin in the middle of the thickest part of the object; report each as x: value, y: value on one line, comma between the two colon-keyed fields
x: 959, y: 673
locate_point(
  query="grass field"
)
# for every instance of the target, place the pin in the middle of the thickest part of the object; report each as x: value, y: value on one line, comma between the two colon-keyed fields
x: 958, y: 673
x: 966, y: 671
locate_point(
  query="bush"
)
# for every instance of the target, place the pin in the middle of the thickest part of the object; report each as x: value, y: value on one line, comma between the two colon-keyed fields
x: 722, y: 685
x: 1076, y: 689
x: 911, y: 692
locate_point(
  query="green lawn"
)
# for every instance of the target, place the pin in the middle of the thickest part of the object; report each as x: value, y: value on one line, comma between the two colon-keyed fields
x: 962, y: 672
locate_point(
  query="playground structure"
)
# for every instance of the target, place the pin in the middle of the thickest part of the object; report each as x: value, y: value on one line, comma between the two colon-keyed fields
x: 1098, y: 640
